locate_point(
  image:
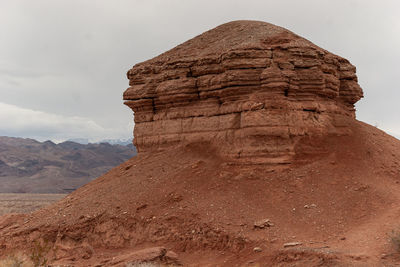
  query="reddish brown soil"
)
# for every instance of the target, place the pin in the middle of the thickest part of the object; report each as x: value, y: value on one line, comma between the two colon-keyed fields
x: 194, y: 203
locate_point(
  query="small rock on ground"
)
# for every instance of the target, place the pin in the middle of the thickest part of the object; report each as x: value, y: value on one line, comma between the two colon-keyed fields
x: 263, y: 223
x: 292, y: 244
x: 257, y: 249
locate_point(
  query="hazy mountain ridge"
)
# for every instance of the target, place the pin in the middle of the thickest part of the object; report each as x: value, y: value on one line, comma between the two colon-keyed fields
x: 86, y: 141
x: 27, y: 165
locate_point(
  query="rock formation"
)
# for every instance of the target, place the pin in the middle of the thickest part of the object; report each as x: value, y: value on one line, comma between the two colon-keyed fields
x: 263, y: 95
x: 254, y: 88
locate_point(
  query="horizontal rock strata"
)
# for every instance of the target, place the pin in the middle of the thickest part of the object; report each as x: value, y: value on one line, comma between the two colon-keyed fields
x: 251, y: 87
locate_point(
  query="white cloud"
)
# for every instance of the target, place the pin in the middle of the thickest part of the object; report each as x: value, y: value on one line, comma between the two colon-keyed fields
x: 392, y: 129
x: 22, y: 122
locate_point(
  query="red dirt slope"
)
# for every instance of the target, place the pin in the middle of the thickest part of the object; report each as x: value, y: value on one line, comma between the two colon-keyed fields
x: 194, y: 203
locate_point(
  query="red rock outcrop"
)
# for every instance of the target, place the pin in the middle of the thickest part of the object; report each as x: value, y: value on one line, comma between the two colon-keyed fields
x: 252, y: 87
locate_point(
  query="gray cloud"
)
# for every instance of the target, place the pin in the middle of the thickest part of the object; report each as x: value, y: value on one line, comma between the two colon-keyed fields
x: 17, y: 121
x: 70, y: 57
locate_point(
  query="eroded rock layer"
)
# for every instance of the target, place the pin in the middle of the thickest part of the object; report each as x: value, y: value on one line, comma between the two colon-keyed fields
x: 253, y: 88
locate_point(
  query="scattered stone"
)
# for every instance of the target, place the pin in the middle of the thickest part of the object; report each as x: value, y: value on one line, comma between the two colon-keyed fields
x: 257, y: 249
x: 263, y: 223
x: 343, y: 238
x: 292, y: 244
x: 310, y: 206
x: 141, y: 207
x: 143, y: 255
x: 128, y: 167
x: 171, y: 258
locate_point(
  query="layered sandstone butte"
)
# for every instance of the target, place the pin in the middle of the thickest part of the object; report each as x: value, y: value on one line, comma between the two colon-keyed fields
x: 263, y: 95
x: 253, y: 88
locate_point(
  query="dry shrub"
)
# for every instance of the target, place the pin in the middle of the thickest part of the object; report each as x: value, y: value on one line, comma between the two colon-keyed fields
x: 39, y: 253
x: 395, y: 239
x: 143, y: 264
x: 18, y: 260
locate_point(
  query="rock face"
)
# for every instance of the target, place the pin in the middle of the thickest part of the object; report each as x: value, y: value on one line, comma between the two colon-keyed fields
x: 253, y: 88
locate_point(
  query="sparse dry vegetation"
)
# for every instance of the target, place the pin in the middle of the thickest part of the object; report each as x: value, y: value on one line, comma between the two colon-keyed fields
x: 395, y: 239
x: 148, y: 264
x: 39, y: 253
x: 17, y: 260
x: 143, y: 264
x: 37, y: 257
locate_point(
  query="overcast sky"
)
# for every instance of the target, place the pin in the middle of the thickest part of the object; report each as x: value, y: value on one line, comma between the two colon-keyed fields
x: 63, y: 63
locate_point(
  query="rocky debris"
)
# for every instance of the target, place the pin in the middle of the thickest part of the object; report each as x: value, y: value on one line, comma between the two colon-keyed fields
x: 251, y: 87
x: 257, y: 249
x: 292, y: 244
x: 171, y: 258
x: 154, y: 254
x: 263, y: 224
x: 310, y: 206
x: 63, y: 251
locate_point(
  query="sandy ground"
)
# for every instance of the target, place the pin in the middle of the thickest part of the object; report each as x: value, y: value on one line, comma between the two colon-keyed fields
x: 25, y: 203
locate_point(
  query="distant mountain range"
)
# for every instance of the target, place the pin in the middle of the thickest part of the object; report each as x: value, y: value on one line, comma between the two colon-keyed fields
x: 29, y: 166
x: 86, y: 141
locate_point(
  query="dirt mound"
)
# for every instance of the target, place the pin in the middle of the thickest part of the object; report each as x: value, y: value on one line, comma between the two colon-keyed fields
x: 335, y: 202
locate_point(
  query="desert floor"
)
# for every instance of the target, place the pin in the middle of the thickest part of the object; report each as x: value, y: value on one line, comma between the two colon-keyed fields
x: 25, y: 203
